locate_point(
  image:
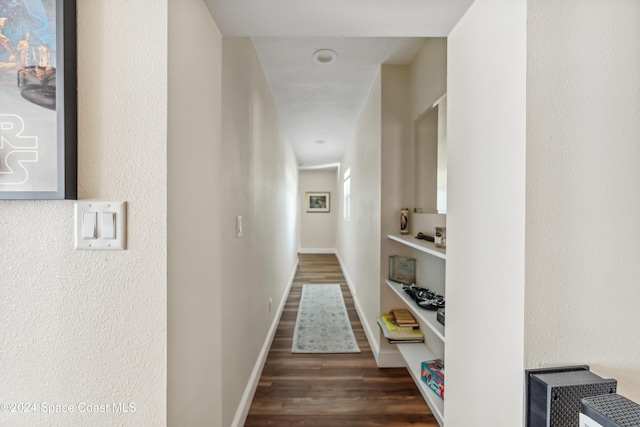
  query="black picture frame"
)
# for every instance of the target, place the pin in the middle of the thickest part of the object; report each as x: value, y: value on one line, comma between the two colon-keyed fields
x: 38, y: 112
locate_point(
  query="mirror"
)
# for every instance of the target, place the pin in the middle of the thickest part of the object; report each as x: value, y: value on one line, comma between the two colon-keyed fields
x: 430, y: 135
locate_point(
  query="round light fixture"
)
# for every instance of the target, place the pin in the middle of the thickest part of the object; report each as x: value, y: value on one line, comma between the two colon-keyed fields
x: 325, y: 56
x: 320, y: 141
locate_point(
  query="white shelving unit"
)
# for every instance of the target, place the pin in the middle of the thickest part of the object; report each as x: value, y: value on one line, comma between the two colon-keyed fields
x: 421, y: 245
x: 425, y: 317
x: 415, y: 354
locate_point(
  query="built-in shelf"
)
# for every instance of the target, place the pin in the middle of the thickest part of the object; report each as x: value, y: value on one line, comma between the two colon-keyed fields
x: 414, y: 355
x: 426, y: 317
x: 421, y: 245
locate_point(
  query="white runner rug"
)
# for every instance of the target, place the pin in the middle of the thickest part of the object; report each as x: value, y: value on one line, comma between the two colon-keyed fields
x: 323, y: 324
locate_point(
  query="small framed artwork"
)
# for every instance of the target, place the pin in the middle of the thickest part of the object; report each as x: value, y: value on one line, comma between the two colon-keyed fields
x: 38, y: 105
x: 402, y: 269
x: 319, y: 201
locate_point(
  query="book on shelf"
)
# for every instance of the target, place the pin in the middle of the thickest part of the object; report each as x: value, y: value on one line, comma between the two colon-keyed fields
x: 432, y: 373
x: 404, y: 341
x: 403, y: 317
x: 398, y: 334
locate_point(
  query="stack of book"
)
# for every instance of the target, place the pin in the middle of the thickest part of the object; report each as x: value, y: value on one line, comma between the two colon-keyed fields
x: 403, y: 317
x: 400, y: 327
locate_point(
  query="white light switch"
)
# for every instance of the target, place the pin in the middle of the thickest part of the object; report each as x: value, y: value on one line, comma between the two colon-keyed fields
x: 108, y: 225
x: 88, y: 225
x: 100, y: 225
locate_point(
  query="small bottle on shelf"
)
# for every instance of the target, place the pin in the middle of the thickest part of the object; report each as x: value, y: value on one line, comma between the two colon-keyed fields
x: 404, y: 221
x: 440, y: 238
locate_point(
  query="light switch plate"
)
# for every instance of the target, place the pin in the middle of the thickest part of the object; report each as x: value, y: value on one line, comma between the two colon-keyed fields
x: 104, y: 211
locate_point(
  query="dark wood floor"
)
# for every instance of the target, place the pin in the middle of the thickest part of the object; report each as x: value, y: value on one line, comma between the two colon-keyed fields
x: 331, y: 389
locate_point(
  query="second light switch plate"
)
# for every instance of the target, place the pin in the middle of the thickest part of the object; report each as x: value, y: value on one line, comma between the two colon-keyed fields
x: 100, y: 225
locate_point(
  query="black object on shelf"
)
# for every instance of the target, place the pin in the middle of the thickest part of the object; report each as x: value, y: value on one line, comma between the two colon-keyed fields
x: 440, y: 317
x: 425, y: 298
x: 426, y: 237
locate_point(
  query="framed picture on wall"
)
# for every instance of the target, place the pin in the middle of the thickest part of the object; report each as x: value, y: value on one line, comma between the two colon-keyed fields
x: 318, y: 201
x: 38, y: 100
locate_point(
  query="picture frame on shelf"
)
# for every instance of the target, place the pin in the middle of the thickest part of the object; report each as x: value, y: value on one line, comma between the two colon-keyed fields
x: 402, y: 270
x: 38, y: 115
x: 318, y: 201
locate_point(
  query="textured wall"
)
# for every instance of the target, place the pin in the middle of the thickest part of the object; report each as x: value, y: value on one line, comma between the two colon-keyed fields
x: 259, y: 183
x: 194, y: 209
x: 486, y: 214
x: 89, y: 327
x: 583, y: 203
x: 318, y: 230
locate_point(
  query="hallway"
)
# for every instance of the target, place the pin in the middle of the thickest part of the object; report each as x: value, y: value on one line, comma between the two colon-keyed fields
x: 331, y: 389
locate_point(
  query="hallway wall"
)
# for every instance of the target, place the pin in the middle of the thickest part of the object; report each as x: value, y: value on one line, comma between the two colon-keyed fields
x: 259, y: 181
x: 318, y: 230
x: 428, y: 75
x: 397, y: 189
x: 90, y: 326
x: 358, y: 241
x: 194, y: 369
x: 486, y: 215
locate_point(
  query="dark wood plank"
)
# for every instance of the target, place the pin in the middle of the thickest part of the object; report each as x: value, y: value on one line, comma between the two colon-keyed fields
x: 331, y: 389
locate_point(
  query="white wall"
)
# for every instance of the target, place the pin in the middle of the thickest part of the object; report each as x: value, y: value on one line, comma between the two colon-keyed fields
x: 428, y: 75
x: 358, y: 242
x: 427, y: 83
x: 486, y: 215
x: 397, y: 170
x: 583, y: 203
x: 80, y: 326
x: 397, y: 150
x: 318, y: 230
x: 259, y: 183
x: 194, y: 211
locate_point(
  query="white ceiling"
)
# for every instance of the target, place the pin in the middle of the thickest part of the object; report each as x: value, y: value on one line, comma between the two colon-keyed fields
x: 324, y: 101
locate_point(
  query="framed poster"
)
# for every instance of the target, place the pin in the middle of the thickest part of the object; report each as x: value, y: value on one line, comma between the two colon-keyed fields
x: 318, y: 202
x: 38, y: 99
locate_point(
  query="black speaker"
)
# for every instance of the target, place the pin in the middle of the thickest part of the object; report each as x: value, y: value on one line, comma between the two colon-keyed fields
x: 554, y: 395
x: 610, y: 410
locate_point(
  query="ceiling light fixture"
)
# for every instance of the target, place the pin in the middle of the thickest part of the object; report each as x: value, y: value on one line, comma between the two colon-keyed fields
x: 320, y: 141
x: 325, y: 56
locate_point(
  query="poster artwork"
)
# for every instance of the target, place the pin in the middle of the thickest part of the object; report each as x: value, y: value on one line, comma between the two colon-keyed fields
x: 28, y: 120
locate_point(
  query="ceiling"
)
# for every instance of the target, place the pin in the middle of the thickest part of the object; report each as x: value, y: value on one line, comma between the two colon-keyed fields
x: 319, y: 104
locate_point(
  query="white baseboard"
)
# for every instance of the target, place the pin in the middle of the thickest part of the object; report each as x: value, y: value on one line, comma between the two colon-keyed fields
x: 375, y: 346
x: 316, y: 251
x: 254, y: 379
x: 390, y: 359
